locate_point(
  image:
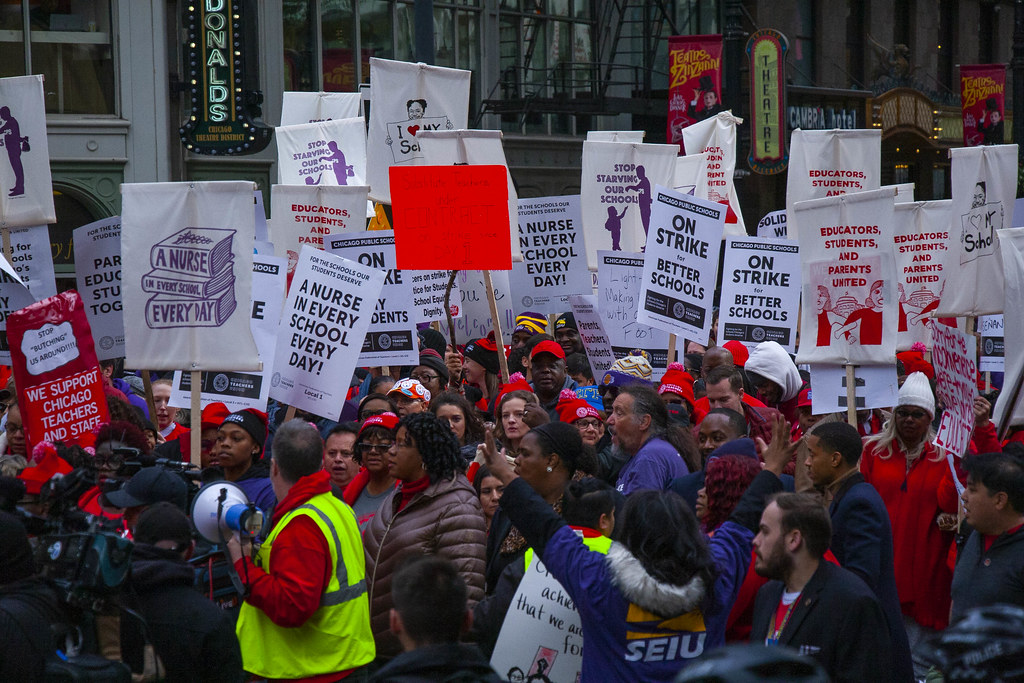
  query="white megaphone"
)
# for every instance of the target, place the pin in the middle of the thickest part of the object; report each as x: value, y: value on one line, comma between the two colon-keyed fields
x: 221, y: 508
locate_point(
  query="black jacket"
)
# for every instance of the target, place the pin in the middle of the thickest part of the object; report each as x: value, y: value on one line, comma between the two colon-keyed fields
x: 449, y: 663
x: 29, y: 611
x: 837, y: 621
x: 193, y: 637
x: 986, y: 577
x: 862, y: 542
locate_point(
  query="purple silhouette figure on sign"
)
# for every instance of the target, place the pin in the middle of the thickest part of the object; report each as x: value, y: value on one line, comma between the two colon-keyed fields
x: 614, y: 226
x: 10, y: 137
x: 644, y: 198
x: 342, y: 171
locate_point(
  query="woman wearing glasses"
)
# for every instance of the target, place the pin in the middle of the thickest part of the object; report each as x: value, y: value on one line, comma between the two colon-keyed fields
x: 373, y: 482
x: 915, y: 481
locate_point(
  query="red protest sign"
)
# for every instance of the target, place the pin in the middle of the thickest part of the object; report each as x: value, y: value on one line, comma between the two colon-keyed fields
x: 451, y: 217
x: 60, y: 390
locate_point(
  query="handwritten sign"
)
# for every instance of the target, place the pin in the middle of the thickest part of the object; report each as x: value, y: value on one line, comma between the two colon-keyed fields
x: 596, y: 341
x: 956, y: 373
x: 618, y: 296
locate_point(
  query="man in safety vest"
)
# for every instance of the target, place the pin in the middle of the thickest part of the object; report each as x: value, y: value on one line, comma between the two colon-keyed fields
x: 306, y: 616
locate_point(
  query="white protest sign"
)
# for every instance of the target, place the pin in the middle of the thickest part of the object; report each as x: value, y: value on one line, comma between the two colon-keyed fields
x: 1009, y: 409
x: 956, y: 383
x: 555, y: 263
x: 984, y: 183
x: 617, y: 193
x: 391, y: 338
x: 260, y: 215
x: 876, y: 386
x: 98, y: 255
x: 990, y: 327
x: 311, y: 107
x: 542, y: 635
x: 825, y: 163
x: 904, y: 192
x: 323, y: 325
x: 846, y: 249
x: 616, y: 135
x: 760, y: 291
x: 473, y: 148
x: 14, y: 295
x: 323, y: 153
x: 186, y: 258
x: 596, y: 341
x: 716, y: 135
x: 428, y: 288
x: 921, y: 237
x: 241, y: 390
x: 408, y: 98
x: 618, y: 297
x: 681, y: 264
x: 26, y: 190
x: 773, y: 225
x: 473, y: 320
x: 32, y: 259
x: 305, y: 215
x: 691, y: 175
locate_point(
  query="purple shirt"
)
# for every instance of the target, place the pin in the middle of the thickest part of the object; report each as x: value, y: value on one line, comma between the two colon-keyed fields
x: 654, y: 466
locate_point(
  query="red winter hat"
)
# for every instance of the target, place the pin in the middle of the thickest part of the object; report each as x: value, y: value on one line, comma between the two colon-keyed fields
x: 913, y: 361
x: 677, y: 381
x: 213, y: 415
x: 516, y: 382
x: 571, y: 408
x: 48, y: 464
x: 804, y: 398
x: 739, y: 352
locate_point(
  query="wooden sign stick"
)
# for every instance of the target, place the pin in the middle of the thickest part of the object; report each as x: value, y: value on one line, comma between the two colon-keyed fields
x: 671, y: 349
x: 289, y: 414
x: 196, y: 418
x: 448, y: 308
x: 502, y: 361
x: 851, y: 396
x: 147, y: 386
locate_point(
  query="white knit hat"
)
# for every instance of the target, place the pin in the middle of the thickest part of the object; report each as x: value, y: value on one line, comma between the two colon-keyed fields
x: 917, y: 392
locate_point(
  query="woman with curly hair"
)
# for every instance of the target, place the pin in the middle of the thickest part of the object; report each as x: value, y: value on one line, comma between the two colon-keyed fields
x: 463, y: 419
x: 433, y: 511
x: 725, y: 480
x: 114, y: 441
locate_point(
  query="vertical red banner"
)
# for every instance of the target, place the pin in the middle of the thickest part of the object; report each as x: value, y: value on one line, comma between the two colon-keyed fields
x: 982, y: 100
x: 695, y: 82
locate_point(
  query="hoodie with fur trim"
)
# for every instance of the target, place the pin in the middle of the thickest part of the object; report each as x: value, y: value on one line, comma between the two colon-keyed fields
x: 635, y: 627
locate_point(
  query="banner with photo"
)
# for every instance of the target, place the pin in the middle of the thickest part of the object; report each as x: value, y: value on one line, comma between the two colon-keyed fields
x: 982, y: 103
x: 716, y: 136
x: 826, y: 163
x: 760, y: 291
x: 617, y: 193
x: 311, y: 107
x: 26, y: 189
x: 408, y: 98
x: 322, y: 153
x: 186, y: 254
x: 98, y: 276
x: 695, y: 82
x: 984, y: 181
x: 848, y: 273
x: 921, y: 236
x: 473, y: 148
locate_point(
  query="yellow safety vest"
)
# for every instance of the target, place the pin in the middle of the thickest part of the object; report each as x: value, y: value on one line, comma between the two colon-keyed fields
x: 597, y: 544
x: 337, y: 637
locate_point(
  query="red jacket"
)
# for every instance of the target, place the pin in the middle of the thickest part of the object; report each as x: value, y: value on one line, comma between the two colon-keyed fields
x: 914, y: 499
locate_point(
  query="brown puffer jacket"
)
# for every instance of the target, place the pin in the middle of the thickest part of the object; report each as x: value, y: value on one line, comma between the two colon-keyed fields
x: 446, y: 520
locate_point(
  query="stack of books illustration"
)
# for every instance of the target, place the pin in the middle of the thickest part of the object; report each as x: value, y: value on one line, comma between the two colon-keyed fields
x: 192, y: 279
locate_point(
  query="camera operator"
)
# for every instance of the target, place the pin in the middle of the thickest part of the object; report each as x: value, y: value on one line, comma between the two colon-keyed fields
x: 148, y: 486
x: 28, y: 607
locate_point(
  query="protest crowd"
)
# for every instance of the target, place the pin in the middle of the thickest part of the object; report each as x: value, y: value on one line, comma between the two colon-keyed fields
x: 735, y: 462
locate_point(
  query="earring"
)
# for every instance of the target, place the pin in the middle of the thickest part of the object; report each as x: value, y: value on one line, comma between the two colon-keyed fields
x: 550, y: 468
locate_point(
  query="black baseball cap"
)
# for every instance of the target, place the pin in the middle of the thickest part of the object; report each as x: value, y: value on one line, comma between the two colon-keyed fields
x: 163, y: 522
x: 149, y: 486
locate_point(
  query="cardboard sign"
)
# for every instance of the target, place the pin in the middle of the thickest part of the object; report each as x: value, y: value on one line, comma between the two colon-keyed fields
x: 26, y: 190
x: 760, y: 291
x: 325, y: 319
x: 451, y: 217
x: 849, y: 286
x: 826, y: 163
x: 877, y: 386
x: 555, y: 262
x: 681, y: 264
x: 13, y: 295
x: 409, y: 98
x: 773, y: 225
x: 990, y: 327
x: 956, y: 383
x: 984, y: 187
x: 241, y: 390
x: 311, y: 107
x: 428, y: 288
x: 618, y: 298
x: 617, y: 193
x: 716, y: 135
x: 596, y: 341
x: 391, y: 338
x: 474, y: 316
x: 921, y: 236
x: 60, y: 390
x: 323, y: 153
x: 98, y: 255
x: 186, y: 254
x: 32, y: 258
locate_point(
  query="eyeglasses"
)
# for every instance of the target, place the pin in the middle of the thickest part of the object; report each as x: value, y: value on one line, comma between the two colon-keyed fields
x: 114, y: 461
x: 424, y: 378
x: 14, y: 428
x: 584, y: 425
x: 913, y: 414
x: 378, y: 447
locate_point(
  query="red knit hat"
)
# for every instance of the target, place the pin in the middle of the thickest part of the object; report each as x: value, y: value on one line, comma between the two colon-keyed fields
x: 48, y: 464
x: 516, y: 382
x: 739, y: 352
x: 571, y: 408
x: 677, y: 381
x: 913, y: 361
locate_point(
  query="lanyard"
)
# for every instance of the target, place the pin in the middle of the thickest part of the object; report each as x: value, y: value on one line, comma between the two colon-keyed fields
x: 774, y: 633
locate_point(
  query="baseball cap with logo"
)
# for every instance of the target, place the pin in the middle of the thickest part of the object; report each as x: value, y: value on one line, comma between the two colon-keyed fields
x: 410, y: 388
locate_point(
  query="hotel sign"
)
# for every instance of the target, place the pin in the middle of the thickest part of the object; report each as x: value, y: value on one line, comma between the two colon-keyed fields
x: 766, y: 50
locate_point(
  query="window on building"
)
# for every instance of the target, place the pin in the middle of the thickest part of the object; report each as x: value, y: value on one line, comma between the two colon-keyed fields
x: 697, y: 17
x: 902, y: 30
x: 856, y: 21
x: 803, y: 71
x: 69, y: 43
x: 987, y: 30
x: 947, y: 45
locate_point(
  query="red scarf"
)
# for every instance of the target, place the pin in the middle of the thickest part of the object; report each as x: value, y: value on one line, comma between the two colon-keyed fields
x: 411, y: 488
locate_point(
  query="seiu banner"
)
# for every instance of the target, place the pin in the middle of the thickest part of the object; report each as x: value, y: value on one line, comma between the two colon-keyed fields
x: 982, y: 97
x: 695, y: 82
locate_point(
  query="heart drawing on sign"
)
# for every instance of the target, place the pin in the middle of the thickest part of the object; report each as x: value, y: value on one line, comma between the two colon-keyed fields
x: 976, y: 221
x: 413, y: 130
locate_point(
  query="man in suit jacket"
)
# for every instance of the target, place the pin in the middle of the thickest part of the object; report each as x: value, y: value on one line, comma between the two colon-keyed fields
x: 813, y: 606
x: 861, y: 533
